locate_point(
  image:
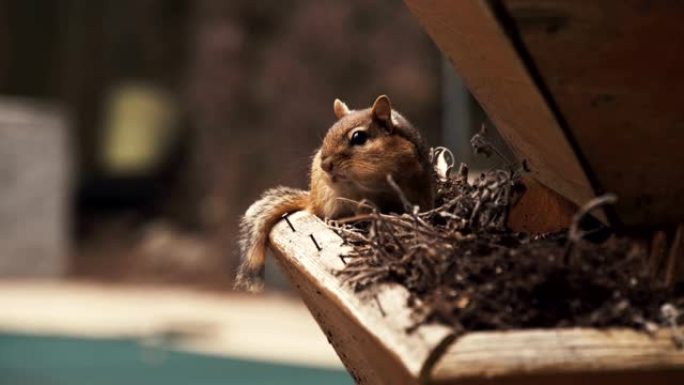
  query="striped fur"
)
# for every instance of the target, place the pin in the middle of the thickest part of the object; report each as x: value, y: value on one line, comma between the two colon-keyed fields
x: 395, y: 148
x: 255, y: 227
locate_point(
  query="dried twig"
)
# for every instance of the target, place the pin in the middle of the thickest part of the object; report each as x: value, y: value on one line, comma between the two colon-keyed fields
x: 575, y: 235
x: 481, y: 145
x: 463, y: 268
x: 674, y: 266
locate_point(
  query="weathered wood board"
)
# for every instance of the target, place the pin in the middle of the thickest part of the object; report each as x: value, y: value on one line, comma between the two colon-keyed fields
x: 563, y: 356
x: 614, y: 69
x: 469, y: 35
x: 369, y: 335
x: 540, y: 209
x: 588, y: 92
x: 558, y: 89
x: 368, y: 332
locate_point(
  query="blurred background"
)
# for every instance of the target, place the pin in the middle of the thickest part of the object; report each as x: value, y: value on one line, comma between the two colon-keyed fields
x: 133, y: 134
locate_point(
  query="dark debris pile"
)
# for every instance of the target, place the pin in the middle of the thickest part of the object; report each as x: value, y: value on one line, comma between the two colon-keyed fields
x: 463, y: 268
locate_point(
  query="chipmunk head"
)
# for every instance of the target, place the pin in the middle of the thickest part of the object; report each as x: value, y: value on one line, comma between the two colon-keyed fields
x: 364, y: 146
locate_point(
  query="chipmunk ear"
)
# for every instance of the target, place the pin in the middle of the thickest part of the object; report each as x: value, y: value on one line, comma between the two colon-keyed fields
x: 340, y: 108
x: 382, y: 110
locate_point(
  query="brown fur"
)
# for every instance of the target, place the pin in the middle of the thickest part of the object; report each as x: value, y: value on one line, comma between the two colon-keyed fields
x: 359, y: 172
x: 255, y: 226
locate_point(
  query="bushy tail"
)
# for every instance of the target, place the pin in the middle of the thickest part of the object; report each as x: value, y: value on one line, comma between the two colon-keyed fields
x: 255, y: 227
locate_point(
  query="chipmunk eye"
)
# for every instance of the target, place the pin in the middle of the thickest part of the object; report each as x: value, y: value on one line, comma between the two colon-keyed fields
x: 358, y: 138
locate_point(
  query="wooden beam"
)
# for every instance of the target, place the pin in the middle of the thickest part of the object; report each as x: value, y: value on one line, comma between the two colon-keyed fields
x: 540, y: 210
x: 613, y: 68
x: 368, y: 330
x: 562, y: 356
x: 371, y: 339
x: 469, y: 35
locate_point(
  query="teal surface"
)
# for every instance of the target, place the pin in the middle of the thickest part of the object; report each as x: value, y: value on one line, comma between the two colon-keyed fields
x: 37, y: 360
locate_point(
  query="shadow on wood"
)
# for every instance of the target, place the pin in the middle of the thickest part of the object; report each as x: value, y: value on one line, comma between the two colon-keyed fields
x: 588, y: 92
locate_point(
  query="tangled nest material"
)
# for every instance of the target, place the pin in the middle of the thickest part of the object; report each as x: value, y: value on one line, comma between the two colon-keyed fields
x: 464, y: 268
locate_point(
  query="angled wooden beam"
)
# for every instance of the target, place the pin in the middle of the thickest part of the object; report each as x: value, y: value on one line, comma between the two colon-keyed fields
x: 562, y: 356
x: 469, y: 35
x: 370, y: 335
x: 368, y: 330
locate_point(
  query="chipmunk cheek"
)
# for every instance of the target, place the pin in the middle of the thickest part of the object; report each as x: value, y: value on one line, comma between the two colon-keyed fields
x: 367, y: 171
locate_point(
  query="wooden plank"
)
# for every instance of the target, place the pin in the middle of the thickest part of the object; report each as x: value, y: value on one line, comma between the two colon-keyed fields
x: 468, y: 33
x: 614, y: 68
x: 540, y: 210
x: 563, y: 356
x: 369, y: 335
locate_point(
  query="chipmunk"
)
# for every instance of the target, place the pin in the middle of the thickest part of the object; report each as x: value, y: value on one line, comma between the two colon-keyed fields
x: 358, y: 154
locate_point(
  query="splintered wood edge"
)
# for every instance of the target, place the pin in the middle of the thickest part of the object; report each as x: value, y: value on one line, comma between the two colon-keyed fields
x: 377, y: 321
x: 589, y: 353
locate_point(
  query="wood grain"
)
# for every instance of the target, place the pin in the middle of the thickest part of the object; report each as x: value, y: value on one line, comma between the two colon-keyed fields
x: 614, y: 68
x: 467, y: 32
x: 589, y: 356
x: 369, y: 335
x: 540, y: 210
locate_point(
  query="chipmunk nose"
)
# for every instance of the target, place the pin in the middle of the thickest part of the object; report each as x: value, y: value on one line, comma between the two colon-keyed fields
x: 327, y: 164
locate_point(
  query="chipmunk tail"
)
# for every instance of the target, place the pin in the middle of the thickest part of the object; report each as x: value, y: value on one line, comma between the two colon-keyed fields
x: 256, y: 225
